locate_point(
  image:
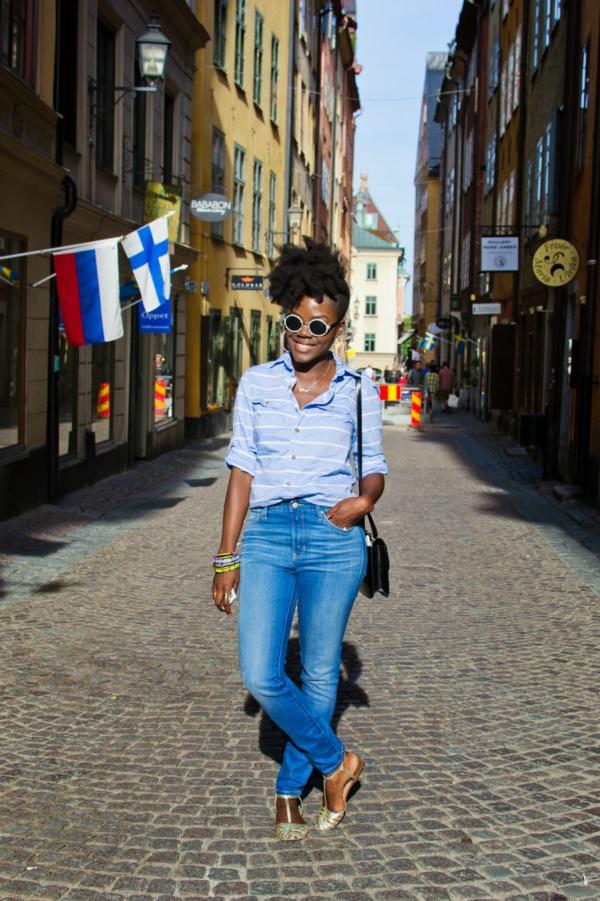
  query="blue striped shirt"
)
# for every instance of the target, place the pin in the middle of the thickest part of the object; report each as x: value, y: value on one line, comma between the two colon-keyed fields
x: 293, y: 452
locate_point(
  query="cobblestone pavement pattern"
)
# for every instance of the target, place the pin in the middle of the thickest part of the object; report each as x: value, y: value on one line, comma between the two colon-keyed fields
x: 134, y: 766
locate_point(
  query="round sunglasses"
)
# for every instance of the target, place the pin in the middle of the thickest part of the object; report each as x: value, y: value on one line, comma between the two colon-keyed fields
x: 318, y: 328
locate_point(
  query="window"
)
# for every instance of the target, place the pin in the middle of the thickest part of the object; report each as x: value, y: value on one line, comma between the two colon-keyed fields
x: 105, y: 78
x: 259, y: 27
x: 139, y: 134
x: 490, y: 164
x: 450, y: 185
x: 510, y: 210
x: 239, y: 185
x: 240, y: 42
x: 103, y: 390
x: 218, y: 173
x: 505, y: 4
x: 164, y: 348
x: 529, y: 195
x: 257, y: 197
x: 369, y: 342
x: 466, y: 261
x: 254, y: 337
x: 536, y: 45
x: 517, y: 81
x: 370, y: 305
x: 546, y: 22
x: 549, y: 167
x: 274, y: 107
x: 503, y: 93
x: 11, y: 342
x: 168, y: 133
x: 220, y: 34
x: 272, y: 215
x: 468, y: 165
x: 17, y: 45
x: 371, y: 272
x: 584, y: 104
x: 538, y: 181
x: 556, y: 10
x: 272, y: 339
x: 66, y: 74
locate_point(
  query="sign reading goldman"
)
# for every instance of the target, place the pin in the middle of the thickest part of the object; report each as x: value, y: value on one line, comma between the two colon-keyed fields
x: 211, y: 207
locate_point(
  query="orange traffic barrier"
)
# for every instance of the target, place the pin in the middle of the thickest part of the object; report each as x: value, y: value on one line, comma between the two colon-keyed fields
x: 103, y: 405
x: 389, y: 392
x: 160, y: 392
x: 416, y: 409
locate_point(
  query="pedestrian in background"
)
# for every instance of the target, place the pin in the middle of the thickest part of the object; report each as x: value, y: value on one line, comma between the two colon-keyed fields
x: 416, y: 376
x: 294, y: 435
x: 432, y: 387
x: 446, y: 386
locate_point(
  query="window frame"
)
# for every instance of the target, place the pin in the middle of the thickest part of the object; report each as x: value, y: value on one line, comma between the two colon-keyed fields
x: 104, y: 150
x: 370, y: 342
x: 221, y: 9
x: 370, y: 305
x: 217, y: 174
x: 274, y: 81
x: 272, y: 214
x: 372, y: 268
x: 584, y: 104
x: 257, y: 200
x: 239, y: 189
x: 239, y: 59
x: 259, y: 52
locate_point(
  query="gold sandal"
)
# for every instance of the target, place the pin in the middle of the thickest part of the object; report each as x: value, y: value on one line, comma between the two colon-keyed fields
x: 290, y: 832
x: 329, y: 819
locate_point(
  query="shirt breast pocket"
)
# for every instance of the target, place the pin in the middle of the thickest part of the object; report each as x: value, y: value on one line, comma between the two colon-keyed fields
x: 269, y: 428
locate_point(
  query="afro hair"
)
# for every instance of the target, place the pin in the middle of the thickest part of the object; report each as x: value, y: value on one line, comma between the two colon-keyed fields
x: 311, y: 271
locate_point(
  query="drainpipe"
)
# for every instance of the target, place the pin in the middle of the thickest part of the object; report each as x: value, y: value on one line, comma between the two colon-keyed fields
x: 56, y: 236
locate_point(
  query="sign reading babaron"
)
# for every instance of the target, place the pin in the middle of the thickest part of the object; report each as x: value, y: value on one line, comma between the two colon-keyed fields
x: 500, y: 253
x: 211, y: 207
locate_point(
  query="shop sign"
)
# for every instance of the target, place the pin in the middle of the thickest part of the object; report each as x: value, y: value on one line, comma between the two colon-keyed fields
x: 158, y: 322
x: 555, y: 263
x: 247, y: 282
x: 500, y: 253
x: 486, y: 309
x: 161, y: 199
x: 211, y: 207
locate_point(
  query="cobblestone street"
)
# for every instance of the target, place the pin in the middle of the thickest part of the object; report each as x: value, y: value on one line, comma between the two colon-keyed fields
x: 133, y: 765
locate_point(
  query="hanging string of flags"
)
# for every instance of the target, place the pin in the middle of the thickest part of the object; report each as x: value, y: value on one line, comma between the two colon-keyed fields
x: 87, y: 280
x: 429, y: 342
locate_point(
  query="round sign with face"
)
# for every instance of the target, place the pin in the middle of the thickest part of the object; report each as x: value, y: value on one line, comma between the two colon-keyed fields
x: 555, y: 263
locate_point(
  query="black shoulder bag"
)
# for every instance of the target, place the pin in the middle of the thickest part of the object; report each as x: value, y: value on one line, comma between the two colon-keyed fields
x: 377, y: 578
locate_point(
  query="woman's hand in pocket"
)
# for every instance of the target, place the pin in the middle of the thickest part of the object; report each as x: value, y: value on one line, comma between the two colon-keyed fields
x: 348, y: 512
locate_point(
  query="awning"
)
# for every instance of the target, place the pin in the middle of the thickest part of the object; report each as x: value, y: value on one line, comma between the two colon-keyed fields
x: 405, y: 337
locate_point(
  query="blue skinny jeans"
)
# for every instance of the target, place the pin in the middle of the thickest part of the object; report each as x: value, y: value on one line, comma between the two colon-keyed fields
x: 292, y: 556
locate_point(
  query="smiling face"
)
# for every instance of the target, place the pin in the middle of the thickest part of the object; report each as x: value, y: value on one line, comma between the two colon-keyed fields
x: 303, y: 346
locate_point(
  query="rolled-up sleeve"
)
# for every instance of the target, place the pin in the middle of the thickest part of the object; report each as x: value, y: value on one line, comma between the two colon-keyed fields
x: 242, y: 448
x: 373, y: 459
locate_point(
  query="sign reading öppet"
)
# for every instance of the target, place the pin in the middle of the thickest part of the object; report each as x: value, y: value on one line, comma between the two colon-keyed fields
x: 211, y: 207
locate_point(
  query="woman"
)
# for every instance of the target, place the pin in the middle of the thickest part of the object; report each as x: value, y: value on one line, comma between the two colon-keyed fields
x: 290, y: 456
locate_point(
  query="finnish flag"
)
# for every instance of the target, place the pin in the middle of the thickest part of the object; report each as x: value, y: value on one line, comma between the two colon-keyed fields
x: 148, y: 253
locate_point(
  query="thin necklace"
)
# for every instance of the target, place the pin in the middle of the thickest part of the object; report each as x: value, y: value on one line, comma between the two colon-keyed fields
x: 302, y: 390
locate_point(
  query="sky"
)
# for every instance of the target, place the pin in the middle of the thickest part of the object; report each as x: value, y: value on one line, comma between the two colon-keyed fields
x: 393, y: 38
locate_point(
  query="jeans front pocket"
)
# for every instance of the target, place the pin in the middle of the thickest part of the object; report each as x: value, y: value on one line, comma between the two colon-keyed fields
x: 332, y: 525
x: 256, y: 515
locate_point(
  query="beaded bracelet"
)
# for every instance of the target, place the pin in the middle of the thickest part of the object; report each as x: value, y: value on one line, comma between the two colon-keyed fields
x: 226, y: 562
x: 226, y: 569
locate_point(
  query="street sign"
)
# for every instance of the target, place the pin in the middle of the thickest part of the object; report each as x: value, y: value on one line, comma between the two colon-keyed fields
x: 247, y: 282
x: 500, y: 253
x: 555, y: 263
x: 211, y: 207
x: 486, y: 309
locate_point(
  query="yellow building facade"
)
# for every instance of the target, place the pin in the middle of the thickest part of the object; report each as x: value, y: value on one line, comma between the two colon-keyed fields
x: 240, y: 149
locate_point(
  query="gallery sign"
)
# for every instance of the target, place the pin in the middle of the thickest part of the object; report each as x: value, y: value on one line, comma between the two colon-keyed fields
x: 500, y: 253
x: 555, y: 263
x: 211, y: 207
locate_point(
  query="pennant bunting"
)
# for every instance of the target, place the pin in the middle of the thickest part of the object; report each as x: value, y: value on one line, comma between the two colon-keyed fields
x: 87, y: 282
x: 460, y: 344
x: 9, y: 275
x: 428, y: 342
x: 148, y: 253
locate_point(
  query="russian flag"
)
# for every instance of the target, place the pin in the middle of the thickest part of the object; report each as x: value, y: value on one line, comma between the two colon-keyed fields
x: 87, y: 282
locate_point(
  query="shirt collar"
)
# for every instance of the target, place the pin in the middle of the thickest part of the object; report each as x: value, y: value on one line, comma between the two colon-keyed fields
x: 285, y: 360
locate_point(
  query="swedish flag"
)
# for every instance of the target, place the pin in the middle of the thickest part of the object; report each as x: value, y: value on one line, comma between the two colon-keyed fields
x: 428, y: 342
x: 9, y: 275
x: 460, y: 344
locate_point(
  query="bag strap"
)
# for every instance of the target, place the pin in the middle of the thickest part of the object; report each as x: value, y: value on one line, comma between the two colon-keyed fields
x: 359, y: 444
